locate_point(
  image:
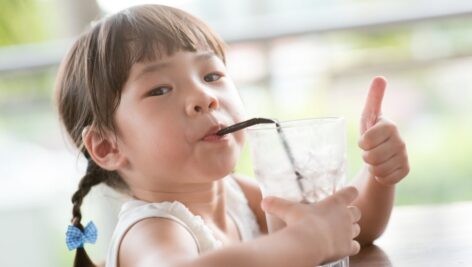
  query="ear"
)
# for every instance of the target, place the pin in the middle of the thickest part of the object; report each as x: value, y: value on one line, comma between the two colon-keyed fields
x: 103, y: 149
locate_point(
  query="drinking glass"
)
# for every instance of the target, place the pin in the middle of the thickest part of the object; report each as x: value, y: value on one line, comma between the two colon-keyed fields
x: 301, y: 160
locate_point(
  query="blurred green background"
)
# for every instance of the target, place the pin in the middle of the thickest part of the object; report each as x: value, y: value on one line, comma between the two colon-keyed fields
x: 290, y: 59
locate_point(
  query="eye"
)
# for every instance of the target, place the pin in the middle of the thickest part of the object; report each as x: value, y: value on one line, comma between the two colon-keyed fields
x: 211, y: 77
x: 161, y: 90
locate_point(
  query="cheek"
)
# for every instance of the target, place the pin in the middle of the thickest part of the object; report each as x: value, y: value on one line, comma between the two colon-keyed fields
x: 234, y: 106
x: 162, y: 156
x: 240, y: 138
x: 166, y: 140
x: 150, y: 138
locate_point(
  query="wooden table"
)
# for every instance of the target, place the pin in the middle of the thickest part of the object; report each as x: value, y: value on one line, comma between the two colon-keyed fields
x: 437, y: 235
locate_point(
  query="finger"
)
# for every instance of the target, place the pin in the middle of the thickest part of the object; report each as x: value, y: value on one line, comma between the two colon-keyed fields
x: 277, y: 206
x: 394, y: 177
x: 383, y: 152
x: 386, y: 168
x: 376, y: 158
x: 346, y: 195
x: 355, y: 248
x: 378, y: 134
x: 355, y: 213
x: 373, y: 105
x: 356, y: 230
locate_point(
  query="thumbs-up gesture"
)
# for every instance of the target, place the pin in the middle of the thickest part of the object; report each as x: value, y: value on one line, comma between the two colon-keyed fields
x: 384, y: 151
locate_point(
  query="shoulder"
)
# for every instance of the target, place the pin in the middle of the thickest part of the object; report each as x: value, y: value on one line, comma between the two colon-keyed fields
x: 156, y: 240
x: 249, y: 186
x: 253, y: 194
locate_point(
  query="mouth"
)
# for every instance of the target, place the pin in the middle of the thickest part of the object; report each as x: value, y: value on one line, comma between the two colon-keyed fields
x: 211, y: 134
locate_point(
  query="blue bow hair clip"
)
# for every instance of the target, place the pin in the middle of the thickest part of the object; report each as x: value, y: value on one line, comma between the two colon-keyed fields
x: 75, y: 238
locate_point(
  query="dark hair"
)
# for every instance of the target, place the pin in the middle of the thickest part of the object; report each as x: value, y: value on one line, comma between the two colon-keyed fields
x: 91, y: 77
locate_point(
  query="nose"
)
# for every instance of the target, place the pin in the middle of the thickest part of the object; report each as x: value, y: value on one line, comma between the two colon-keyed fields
x: 200, y: 100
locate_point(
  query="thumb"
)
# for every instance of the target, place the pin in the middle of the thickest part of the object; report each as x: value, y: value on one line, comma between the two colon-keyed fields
x: 373, y: 105
x: 276, y: 206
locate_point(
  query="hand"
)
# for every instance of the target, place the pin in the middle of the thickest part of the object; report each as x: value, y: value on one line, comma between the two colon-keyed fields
x: 384, y: 150
x: 330, y: 224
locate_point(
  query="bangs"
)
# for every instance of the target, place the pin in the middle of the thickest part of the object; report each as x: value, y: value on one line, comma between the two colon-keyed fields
x: 152, y: 32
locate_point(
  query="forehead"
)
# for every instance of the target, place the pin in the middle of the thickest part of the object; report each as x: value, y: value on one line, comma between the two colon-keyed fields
x: 168, y: 61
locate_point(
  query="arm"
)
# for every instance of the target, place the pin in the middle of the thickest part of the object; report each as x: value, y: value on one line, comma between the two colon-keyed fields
x: 275, y: 250
x: 314, y: 234
x: 386, y: 163
x: 375, y: 201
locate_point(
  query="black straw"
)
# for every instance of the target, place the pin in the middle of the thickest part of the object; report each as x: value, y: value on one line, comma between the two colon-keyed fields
x: 244, y: 124
x: 289, y: 153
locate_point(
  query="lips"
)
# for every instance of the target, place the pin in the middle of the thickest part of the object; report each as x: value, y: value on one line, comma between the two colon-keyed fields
x: 211, y: 135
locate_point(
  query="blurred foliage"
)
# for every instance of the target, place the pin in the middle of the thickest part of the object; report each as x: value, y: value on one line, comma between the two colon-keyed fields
x: 440, y: 166
x: 27, y: 85
x: 25, y: 21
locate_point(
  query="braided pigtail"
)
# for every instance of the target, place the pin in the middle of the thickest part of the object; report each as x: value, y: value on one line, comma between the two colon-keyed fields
x: 77, y: 234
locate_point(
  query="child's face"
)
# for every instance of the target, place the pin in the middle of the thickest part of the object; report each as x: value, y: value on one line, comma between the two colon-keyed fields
x: 168, y: 111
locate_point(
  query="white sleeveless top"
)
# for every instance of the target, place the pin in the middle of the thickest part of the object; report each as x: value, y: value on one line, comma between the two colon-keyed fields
x: 136, y: 210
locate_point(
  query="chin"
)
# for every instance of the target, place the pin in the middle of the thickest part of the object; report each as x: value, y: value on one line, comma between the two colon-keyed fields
x: 219, y: 169
x: 217, y: 166
x: 220, y: 172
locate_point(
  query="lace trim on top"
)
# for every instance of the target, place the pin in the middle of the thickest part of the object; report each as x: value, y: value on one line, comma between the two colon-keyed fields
x: 194, y: 223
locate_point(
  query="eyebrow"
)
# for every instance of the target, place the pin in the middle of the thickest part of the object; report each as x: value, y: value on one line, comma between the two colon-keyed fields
x: 162, y: 65
x: 205, y: 56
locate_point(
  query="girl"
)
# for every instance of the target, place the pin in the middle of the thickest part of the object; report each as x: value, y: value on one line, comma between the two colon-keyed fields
x: 142, y: 95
